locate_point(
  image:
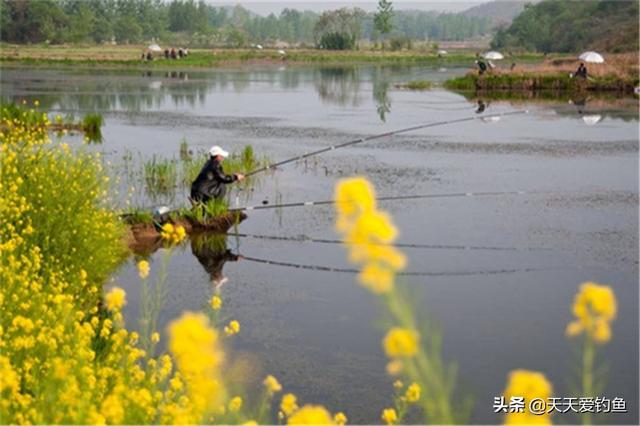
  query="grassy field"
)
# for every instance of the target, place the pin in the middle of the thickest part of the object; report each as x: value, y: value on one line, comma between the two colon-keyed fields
x: 130, y: 56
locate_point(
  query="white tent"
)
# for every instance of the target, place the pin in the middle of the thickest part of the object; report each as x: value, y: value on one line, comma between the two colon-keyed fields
x: 592, y: 57
x: 493, y: 55
x: 154, y: 48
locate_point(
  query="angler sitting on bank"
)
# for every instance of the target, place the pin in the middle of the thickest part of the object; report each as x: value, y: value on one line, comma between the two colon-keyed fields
x: 212, y: 181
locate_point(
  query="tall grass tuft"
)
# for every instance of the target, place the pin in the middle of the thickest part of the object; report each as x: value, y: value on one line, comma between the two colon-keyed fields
x: 92, y: 127
x: 160, y: 175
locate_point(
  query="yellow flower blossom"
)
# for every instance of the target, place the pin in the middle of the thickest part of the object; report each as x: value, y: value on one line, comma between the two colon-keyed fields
x: 413, y: 392
x: 288, y: 404
x: 529, y: 385
x: 272, y: 385
x: 235, y: 404
x: 311, y: 415
x: 389, y: 416
x: 172, y: 234
x: 594, y: 307
x: 394, y: 367
x: 216, y: 303
x: 155, y: 337
x: 398, y: 384
x: 115, y: 299
x: 143, y: 269
x: 401, y: 342
x: 354, y: 196
x: 340, y: 419
x: 198, y: 357
x: 232, y: 328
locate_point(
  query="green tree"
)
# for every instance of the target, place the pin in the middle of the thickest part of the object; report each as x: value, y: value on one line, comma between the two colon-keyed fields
x: 127, y: 30
x: 382, y: 20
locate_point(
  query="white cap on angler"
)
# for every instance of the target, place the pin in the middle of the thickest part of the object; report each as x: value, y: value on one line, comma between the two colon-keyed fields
x: 216, y: 150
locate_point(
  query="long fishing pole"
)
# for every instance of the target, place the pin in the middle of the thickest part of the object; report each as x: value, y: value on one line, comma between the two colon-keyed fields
x: 379, y: 136
x: 409, y: 273
x: 389, y: 198
x: 306, y: 239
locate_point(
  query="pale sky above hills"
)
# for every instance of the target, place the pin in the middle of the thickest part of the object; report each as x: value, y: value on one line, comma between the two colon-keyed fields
x: 265, y: 7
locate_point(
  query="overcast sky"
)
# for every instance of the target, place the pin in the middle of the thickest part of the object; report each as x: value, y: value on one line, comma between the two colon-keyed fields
x: 264, y: 7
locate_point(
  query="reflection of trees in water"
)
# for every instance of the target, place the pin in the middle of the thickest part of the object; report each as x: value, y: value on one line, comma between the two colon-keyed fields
x: 339, y: 85
x: 380, y: 81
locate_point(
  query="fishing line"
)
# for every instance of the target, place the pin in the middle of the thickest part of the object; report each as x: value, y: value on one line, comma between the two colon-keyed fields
x: 389, y: 198
x: 306, y: 239
x: 379, y: 136
x: 411, y: 274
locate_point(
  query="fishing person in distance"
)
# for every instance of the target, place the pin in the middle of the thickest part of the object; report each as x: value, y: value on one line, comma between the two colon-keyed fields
x: 212, y: 181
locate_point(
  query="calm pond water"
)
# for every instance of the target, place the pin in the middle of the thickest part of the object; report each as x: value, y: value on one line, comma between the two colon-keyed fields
x: 316, y: 330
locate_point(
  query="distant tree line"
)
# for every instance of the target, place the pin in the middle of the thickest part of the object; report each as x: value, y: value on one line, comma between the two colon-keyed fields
x: 571, y: 26
x: 195, y: 22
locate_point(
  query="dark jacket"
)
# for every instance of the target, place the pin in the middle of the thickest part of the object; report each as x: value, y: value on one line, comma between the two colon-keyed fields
x: 211, y: 182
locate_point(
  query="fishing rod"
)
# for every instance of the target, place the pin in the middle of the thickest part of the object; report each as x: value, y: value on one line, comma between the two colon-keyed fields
x: 306, y: 239
x: 412, y: 274
x: 379, y: 136
x: 389, y: 198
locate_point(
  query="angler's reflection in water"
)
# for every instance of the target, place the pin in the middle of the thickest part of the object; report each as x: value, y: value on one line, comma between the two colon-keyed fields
x: 481, y: 106
x: 212, y: 253
x: 580, y: 103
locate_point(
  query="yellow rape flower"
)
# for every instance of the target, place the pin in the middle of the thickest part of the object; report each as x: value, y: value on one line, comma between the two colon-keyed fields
x: 389, y: 416
x: 216, y: 303
x: 198, y: 356
x: 232, y: 328
x: 529, y: 385
x: 311, y: 415
x: 340, y: 419
x: 235, y: 404
x: 594, y: 307
x: 376, y: 278
x: 143, y: 269
x: 288, y: 404
x: 115, y: 299
x: 272, y: 384
x: 413, y: 392
x: 155, y: 337
x: 401, y: 342
x: 354, y: 195
x: 172, y: 234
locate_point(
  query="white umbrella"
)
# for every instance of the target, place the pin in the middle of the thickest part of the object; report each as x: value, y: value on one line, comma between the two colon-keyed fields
x: 493, y: 55
x: 442, y: 52
x: 154, y: 48
x: 591, y: 120
x: 282, y: 52
x: 258, y: 46
x: 592, y: 57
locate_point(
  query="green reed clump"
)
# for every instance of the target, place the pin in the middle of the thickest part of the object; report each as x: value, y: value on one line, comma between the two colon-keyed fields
x: 416, y: 85
x: 134, y: 216
x: 160, y: 175
x: 201, y: 212
x: 91, y: 126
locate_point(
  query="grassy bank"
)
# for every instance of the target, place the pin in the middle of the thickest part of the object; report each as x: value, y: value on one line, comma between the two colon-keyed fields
x: 130, y: 56
x: 619, y: 74
x: 550, y: 82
